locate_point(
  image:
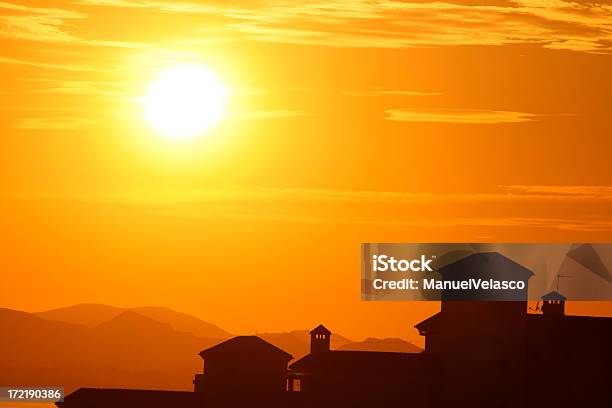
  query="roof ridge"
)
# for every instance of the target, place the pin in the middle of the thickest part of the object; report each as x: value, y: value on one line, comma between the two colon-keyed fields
x: 251, y: 340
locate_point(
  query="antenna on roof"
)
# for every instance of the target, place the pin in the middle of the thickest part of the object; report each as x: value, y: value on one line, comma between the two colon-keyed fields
x: 537, y: 307
x: 559, y: 276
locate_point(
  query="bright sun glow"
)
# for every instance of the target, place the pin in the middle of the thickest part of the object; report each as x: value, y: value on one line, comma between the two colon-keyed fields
x: 185, y: 101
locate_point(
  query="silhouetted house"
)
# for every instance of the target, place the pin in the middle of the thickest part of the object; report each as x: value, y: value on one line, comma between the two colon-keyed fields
x: 119, y: 398
x: 483, y: 353
x: 495, y: 354
x: 569, y: 358
x: 244, y: 370
x: 486, y: 266
x: 484, y: 339
x: 355, y: 378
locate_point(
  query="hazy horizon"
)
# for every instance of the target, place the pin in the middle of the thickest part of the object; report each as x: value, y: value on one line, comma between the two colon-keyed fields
x: 227, y: 160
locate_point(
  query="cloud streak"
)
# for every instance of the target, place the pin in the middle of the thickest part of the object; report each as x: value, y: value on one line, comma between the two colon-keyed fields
x: 43, y: 24
x: 583, y: 27
x: 402, y: 24
x: 563, y: 25
x: 392, y: 93
x: 594, y: 192
x: 461, y: 116
x: 271, y: 114
x: 48, y: 123
x: 45, y: 65
x: 37, y: 23
x: 82, y: 87
x: 508, y: 207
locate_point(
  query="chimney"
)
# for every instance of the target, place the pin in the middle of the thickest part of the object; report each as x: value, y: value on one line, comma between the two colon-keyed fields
x: 319, y: 340
x: 554, y: 304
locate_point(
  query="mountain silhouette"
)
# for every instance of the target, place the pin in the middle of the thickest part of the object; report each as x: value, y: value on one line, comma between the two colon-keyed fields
x: 91, y: 315
x: 86, y: 314
x: 336, y: 340
x: 297, y: 342
x: 129, y: 350
x: 129, y: 322
x: 287, y: 341
x: 100, y: 346
x: 183, y: 322
x: 393, y: 345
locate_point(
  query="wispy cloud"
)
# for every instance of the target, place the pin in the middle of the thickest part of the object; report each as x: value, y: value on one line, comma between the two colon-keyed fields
x: 37, y: 23
x: 501, y: 209
x: 510, y: 193
x: 396, y: 92
x: 162, y: 6
x: 563, y: 224
x: 62, y: 67
x: 577, y: 26
x: 81, y: 87
x: 465, y: 116
x: 509, y: 207
x: 595, y: 192
x: 270, y: 114
x: 51, y: 123
x: 46, y: 24
x: 405, y: 93
x: 402, y: 24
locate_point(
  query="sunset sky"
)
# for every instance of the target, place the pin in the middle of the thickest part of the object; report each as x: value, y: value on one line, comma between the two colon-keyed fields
x: 347, y: 121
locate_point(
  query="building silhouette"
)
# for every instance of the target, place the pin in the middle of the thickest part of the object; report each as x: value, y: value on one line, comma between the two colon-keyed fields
x: 354, y: 378
x: 244, y: 369
x: 482, y: 353
x: 122, y: 398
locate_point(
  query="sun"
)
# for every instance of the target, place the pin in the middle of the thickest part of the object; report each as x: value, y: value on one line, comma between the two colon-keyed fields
x: 185, y: 101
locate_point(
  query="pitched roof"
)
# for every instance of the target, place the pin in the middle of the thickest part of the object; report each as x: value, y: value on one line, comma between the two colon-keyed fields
x: 486, y: 263
x: 320, y: 329
x: 357, y: 360
x: 246, y: 345
x: 429, y: 324
x: 100, y: 397
x: 554, y: 295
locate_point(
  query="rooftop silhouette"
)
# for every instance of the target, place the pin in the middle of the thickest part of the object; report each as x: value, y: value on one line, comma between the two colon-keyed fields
x: 477, y: 354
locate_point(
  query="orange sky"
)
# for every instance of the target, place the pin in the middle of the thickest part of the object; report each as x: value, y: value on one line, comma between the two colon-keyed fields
x: 350, y: 121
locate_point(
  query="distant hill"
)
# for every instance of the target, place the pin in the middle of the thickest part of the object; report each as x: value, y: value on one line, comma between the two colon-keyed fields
x: 388, y: 345
x: 183, y: 322
x: 336, y: 341
x: 91, y: 315
x: 102, y: 346
x: 297, y: 342
x: 129, y: 322
x: 128, y: 351
x: 86, y: 314
x: 287, y: 342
